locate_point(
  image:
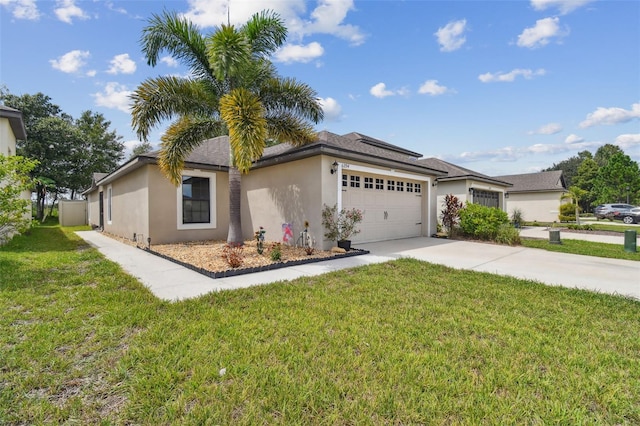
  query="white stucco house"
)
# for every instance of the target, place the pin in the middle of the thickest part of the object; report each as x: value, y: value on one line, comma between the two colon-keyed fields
x: 537, y: 195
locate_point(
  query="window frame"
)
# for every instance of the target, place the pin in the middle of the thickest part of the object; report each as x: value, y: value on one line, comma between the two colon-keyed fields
x: 109, y: 205
x: 212, y: 201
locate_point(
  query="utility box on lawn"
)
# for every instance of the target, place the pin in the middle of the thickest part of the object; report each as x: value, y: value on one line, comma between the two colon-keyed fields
x: 554, y: 236
x: 630, y: 240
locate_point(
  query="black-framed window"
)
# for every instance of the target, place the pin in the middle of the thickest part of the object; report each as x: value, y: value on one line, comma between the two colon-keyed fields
x: 368, y: 183
x: 380, y: 184
x: 345, y: 180
x: 417, y: 188
x: 355, y: 181
x: 196, y: 200
x: 400, y: 186
x: 391, y: 185
x: 409, y: 186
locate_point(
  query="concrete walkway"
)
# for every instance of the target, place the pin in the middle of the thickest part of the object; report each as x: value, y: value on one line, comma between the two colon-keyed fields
x: 170, y: 281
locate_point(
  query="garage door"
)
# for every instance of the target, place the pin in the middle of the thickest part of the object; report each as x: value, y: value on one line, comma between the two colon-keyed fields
x: 392, y: 207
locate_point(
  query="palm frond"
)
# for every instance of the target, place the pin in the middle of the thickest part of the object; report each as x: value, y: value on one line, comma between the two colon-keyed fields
x: 290, y: 129
x: 287, y: 95
x: 266, y: 32
x: 181, y: 138
x: 178, y: 36
x: 244, y: 115
x: 162, y: 98
x: 228, y: 52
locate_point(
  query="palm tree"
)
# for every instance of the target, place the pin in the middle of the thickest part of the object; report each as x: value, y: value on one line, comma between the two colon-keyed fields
x: 233, y: 89
x: 574, y: 194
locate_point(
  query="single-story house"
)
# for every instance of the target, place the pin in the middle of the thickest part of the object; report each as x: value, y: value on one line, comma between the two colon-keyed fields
x: 467, y: 185
x: 285, y: 187
x: 536, y: 195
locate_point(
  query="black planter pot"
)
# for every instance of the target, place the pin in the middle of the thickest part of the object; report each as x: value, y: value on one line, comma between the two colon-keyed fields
x: 345, y: 244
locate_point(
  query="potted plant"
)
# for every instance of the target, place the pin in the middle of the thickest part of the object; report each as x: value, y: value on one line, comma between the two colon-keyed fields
x: 341, y: 225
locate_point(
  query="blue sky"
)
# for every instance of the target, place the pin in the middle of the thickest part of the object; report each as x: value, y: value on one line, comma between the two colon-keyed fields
x: 500, y: 87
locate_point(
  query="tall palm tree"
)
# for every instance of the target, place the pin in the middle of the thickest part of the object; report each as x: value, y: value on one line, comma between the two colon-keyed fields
x: 233, y: 89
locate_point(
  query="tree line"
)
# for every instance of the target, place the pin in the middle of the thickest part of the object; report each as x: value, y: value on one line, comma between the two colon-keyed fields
x: 608, y: 176
x: 67, y: 151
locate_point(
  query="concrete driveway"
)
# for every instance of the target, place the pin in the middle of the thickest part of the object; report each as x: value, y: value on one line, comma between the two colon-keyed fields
x: 170, y: 281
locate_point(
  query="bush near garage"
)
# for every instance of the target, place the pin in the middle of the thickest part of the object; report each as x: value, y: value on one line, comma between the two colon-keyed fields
x: 482, y: 222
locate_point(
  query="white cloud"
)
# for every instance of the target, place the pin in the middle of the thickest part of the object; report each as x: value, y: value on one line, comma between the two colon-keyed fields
x: 327, y: 18
x: 67, y: 10
x: 611, y: 116
x: 628, y: 141
x: 431, y: 87
x: 122, y: 64
x: 169, y: 61
x: 510, y: 76
x: 541, y: 33
x: 115, y: 96
x: 451, y: 36
x: 332, y: 109
x: 70, y: 62
x: 380, y: 91
x: 547, y: 129
x: 299, y: 53
x: 573, y: 139
x: 22, y: 9
x: 564, y: 6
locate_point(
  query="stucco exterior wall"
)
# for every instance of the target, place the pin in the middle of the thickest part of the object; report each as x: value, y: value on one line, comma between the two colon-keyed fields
x: 7, y: 138
x: 129, y: 204
x: 163, y: 210
x: 285, y: 193
x: 536, y: 206
x: 93, y: 208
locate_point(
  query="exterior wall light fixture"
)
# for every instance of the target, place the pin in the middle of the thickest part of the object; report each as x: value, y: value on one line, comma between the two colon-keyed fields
x: 334, y: 167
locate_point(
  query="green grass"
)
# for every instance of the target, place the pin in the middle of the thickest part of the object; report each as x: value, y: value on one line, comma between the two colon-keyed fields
x: 602, y: 226
x: 404, y: 342
x: 587, y: 248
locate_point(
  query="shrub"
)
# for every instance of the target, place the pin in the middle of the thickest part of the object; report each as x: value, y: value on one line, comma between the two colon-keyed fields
x: 451, y: 212
x: 482, y: 222
x: 233, y: 254
x: 507, y: 234
x: 516, y: 217
x: 567, y: 212
x: 276, y: 252
x: 340, y: 225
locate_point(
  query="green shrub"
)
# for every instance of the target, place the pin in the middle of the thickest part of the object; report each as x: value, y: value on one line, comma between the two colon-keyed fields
x: 482, y: 222
x: 508, y: 234
x: 567, y: 212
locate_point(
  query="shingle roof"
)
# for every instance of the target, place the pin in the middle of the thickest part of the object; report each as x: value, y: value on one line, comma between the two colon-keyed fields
x: 536, y: 182
x: 455, y: 172
x: 15, y: 121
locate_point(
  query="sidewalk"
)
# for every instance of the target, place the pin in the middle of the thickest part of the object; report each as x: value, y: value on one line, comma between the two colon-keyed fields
x: 170, y: 281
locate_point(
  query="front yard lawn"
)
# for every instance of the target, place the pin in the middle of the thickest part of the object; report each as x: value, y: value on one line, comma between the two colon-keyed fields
x: 587, y: 248
x: 404, y: 342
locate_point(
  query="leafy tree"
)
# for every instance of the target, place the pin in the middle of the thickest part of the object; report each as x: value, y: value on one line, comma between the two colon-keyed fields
x: 233, y: 89
x: 14, y: 180
x: 68, y: 151
x: 575, y: 194
x: 605, y: 152
x: 586, y: 180
x: 620, y: 173
x: 570, y: 166
x: 141, y: 148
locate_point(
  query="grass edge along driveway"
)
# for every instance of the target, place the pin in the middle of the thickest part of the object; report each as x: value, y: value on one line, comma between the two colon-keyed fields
x: 400, y: 342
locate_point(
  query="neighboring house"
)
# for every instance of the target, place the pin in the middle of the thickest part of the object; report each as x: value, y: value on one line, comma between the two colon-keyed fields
x: 467, y: 185
x: 12, y: 129
x: 288, y: 185
x: 536, y: 195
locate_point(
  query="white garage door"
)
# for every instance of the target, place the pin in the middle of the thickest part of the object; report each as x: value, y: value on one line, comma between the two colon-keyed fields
x: 392, y: 207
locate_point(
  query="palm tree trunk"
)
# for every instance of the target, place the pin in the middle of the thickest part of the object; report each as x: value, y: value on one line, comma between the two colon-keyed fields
x: 235, y: 223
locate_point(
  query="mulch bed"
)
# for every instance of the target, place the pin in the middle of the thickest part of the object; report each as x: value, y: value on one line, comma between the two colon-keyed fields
x: 209, y: 257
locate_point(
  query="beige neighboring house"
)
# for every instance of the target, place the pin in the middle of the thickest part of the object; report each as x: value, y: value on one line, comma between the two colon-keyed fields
x: 12, y: 129
x: 284, y: 188
x: 467, y: 185
x: 537, y: 195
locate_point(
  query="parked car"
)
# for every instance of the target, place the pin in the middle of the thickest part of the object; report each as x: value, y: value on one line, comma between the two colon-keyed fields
x: 628, y: 216
x: 607, y: 211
